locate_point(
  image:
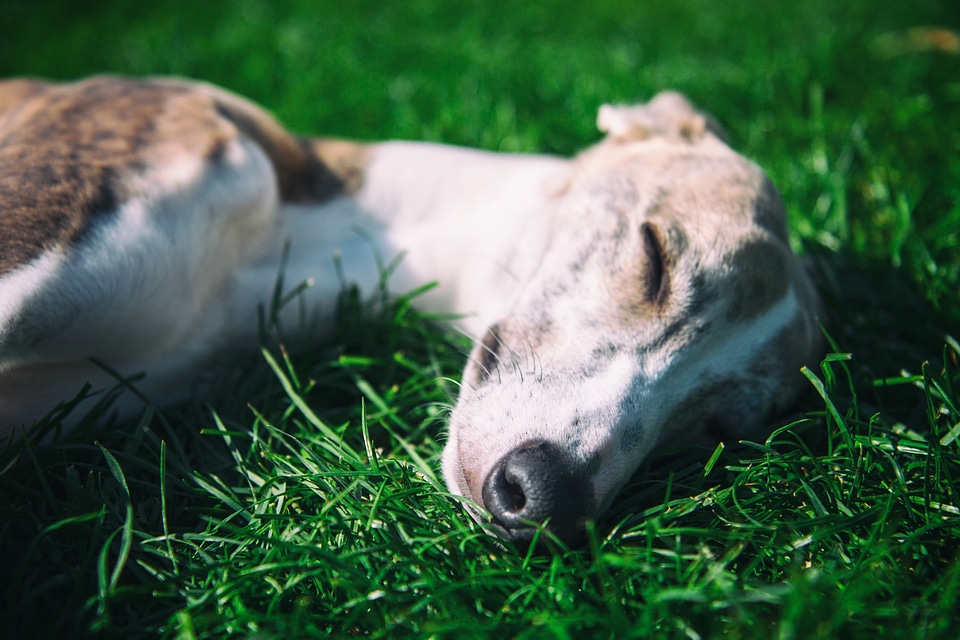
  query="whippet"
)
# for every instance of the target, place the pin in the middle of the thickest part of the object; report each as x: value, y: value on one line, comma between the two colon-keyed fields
x: 640, y: 291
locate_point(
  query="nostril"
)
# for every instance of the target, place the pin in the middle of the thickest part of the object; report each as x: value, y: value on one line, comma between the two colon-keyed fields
x: 504, y: 496
x: 537, y: 483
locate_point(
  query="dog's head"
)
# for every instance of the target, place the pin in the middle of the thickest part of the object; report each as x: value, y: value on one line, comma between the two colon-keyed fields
x: 667, y: 304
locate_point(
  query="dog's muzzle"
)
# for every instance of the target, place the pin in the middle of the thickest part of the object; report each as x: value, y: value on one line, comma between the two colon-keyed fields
x: 535, y: 484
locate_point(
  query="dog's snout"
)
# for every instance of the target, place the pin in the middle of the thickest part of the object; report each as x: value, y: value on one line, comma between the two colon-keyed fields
x: 533, y: 484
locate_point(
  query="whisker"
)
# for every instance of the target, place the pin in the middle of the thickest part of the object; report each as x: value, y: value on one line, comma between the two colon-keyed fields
x: 481, y: 343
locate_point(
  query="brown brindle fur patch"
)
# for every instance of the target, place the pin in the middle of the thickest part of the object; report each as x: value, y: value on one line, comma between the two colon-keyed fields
x: 12, y: 95
x: 303, y: 173
x: 345, y: 159
x: 61, y: 160
x: 72, y: 152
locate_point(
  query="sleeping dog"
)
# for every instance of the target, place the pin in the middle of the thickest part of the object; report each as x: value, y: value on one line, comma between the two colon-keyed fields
x: 640, y: 291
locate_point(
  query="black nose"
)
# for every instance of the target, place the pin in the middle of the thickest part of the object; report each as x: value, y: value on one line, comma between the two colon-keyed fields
x: 538, y: 483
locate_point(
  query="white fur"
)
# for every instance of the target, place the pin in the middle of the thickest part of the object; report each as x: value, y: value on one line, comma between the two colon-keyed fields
x: 458, y: 215
x: 20, y: 287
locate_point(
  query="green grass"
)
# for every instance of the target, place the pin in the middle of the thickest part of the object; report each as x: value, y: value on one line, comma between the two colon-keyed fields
x: 303, y: 499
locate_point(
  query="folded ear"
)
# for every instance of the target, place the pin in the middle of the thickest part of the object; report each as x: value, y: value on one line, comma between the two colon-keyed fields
x: 668, y: 114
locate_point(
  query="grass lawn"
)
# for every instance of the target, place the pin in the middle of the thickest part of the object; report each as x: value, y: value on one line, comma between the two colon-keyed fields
x: 303, y: 498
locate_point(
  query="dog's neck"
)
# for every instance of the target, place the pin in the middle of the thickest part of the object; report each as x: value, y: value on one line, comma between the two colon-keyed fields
x: 476, y: 222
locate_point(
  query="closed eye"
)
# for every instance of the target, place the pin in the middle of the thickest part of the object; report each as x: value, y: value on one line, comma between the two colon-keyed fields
x: 656, y: 280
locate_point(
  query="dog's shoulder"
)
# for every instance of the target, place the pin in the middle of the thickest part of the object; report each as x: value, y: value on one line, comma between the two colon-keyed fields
x: 72, y: 154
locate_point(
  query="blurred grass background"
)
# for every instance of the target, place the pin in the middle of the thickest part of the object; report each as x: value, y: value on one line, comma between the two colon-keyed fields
x: 853, y: 107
